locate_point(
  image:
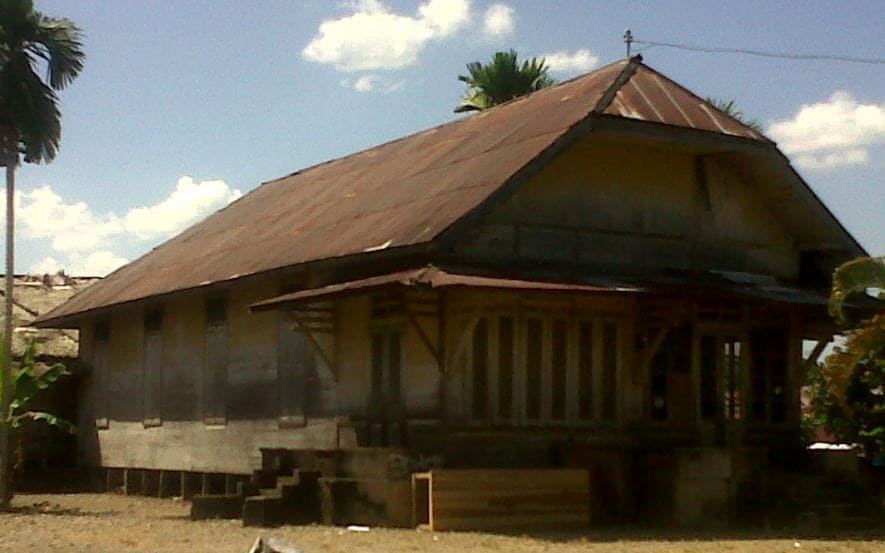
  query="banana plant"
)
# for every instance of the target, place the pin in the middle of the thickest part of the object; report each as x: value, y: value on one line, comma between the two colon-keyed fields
x: 27, y: 383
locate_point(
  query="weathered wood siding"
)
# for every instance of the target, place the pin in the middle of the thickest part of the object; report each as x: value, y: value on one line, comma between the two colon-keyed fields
x: 635, y: 206
x: 183, y: 429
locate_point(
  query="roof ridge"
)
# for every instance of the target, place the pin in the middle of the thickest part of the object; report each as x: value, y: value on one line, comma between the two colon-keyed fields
x: 620, y: 80
x: 761, y: 136
x: 443, y: 124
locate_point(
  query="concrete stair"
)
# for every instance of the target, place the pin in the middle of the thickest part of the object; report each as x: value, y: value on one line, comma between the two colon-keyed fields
x: 362, y: 485
x: 294, y: 499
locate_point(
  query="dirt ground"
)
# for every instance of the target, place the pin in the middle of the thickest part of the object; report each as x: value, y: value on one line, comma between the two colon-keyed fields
x: 113, y: 523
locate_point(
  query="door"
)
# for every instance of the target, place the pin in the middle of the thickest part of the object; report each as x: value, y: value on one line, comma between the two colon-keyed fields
x: 719, y: 363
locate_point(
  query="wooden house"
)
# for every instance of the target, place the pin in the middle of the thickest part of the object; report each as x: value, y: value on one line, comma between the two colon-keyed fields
x: 609, y: 274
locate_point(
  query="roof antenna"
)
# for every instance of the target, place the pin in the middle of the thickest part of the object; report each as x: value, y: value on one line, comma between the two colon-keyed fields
x: 628, y: 40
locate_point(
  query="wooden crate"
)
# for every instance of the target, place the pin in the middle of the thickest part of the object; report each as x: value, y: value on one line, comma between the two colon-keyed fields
x: 501, y: 499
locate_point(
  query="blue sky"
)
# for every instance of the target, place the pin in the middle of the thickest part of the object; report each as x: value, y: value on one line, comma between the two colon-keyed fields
x: 185, y: 105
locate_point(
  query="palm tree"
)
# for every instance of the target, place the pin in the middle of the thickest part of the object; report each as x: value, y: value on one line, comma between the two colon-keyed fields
x: 731, y: 109
x: 30, y: 125
x: 502, y: 80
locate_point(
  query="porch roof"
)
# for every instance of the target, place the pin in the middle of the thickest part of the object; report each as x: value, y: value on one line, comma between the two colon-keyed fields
x: 431, y: 277
x: 734, y: 285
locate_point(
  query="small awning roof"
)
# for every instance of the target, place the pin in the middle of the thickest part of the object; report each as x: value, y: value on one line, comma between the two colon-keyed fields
x: 429, y: 277
x: 739, y: 285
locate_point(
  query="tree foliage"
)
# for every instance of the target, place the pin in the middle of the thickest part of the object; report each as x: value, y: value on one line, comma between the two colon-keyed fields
x: 27, y: 384
x: 849, y: 389
x: 30, y: 120
x: 502, y: 80
x: 30, y: 125
x: 731, y: 109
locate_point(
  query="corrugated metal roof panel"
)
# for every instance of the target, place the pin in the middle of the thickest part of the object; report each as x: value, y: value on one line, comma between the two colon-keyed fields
x: 650, y: 96
x: 402, y: 193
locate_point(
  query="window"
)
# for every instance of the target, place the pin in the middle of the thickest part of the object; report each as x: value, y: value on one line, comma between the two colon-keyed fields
x: 506, y: 367
x: 101, y: 339
x: 731, y: 351
x: 480, y: 369
x: 558, y: 369
x: 153, y: 368
x: 542, y: 369
x: 534, y: 357
x: 215, y: 369
x: 609, y: 372
x: 585, y: 370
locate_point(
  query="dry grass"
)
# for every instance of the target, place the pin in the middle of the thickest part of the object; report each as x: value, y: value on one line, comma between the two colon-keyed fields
x: 112, y: 523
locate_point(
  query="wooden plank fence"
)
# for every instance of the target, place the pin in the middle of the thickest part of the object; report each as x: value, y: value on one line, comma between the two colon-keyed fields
x: 501, y: 499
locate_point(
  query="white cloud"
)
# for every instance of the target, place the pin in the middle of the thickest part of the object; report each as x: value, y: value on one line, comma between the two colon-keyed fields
x: 831, y: 133
x: 42, y: 213
x: 85, y: 240
x: 98, y: 263
x: 444, y: 17
x: 188, y: 203
x: 48, y: 265
x: 373, y: 83
x: 499, y: 20
x: 373, y: 37
x: 578, y: 61
x: 366, y: 83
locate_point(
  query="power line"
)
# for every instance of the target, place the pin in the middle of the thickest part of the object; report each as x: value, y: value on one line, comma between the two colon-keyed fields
x: 761, y: 53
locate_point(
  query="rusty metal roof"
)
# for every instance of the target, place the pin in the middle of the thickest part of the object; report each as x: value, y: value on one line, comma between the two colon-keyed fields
x: 402, y: 193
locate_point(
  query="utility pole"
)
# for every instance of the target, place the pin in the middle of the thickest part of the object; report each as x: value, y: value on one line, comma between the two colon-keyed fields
x: 628, y: 40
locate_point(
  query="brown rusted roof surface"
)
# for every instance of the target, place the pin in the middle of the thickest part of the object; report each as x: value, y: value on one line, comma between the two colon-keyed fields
x: 431, y: 277
x: 650, y: 96
x: 402, y: 193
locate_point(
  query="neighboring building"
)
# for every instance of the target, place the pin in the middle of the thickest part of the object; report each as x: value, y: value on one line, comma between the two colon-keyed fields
x: 46, y: 449
x: 609, y: 273
x: 36, y: 295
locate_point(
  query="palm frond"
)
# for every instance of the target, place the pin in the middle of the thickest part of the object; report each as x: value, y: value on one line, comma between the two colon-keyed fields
x: 29, y: 106
x: 501, y: 80
x: 856, y: 276
x: 730, y: 108
x: 64, y: 49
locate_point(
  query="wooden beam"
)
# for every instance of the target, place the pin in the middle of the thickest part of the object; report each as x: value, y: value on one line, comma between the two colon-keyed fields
x: 410, y: 315
x: 649, y: 352
x: 814, y: 356
x: 311, y: 339
x: 303, y: 327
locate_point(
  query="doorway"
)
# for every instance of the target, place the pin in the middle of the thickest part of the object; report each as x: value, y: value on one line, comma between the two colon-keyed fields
x: 720, y: 364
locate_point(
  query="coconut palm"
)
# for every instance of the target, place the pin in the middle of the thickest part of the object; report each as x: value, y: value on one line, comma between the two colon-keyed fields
x: 731, y: 109
x: 30, y: 126
x: 502, y: 80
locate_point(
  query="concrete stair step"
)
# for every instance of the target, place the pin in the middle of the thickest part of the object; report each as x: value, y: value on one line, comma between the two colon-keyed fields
x: 216, y: 506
